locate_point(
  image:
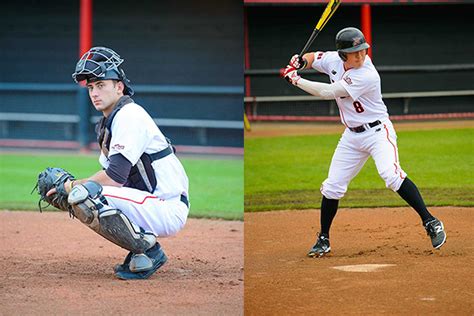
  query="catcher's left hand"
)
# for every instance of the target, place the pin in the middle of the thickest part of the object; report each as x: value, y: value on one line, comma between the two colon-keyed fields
x: 54, y: 178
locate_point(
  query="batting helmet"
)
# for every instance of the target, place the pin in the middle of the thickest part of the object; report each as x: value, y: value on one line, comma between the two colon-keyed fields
x: 101, y: 63
x: 350, y: 40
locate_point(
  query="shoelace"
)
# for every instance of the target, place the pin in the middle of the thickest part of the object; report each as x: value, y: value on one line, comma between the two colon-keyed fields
x: 431, y: 231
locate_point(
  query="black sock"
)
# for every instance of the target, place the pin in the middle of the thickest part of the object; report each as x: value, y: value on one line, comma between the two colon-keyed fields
x: 328, y: 211
x: 409, y: 192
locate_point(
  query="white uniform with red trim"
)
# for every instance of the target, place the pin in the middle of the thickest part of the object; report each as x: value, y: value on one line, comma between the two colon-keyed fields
x: 133, y: 133
x: 363, y: 106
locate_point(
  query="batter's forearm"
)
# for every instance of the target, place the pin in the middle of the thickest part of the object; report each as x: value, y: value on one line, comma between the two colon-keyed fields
x: 309, y: 57
x: 323, y: 90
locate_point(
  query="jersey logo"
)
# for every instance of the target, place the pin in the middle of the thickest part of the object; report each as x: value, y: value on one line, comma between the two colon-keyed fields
x: 320, y: 55
x: 118, y: 147
x: 348, y: 80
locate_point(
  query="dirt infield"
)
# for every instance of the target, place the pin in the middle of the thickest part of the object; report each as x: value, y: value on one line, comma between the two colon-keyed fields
x: 276, y: 129
x: 280, y: 279
x: 52, y: 264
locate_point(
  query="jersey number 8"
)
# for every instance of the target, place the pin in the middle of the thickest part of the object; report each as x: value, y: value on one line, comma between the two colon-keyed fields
x: 358, y: 107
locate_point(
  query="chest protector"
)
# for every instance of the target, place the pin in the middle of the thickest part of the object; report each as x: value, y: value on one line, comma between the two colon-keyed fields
x: 142, y: 175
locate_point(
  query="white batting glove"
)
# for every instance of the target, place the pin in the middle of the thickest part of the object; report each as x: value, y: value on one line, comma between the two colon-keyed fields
x: 298, y: 62
x: 291, y: 75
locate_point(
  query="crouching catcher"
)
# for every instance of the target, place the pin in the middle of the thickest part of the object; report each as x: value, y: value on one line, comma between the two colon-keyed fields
x: 141, y: 193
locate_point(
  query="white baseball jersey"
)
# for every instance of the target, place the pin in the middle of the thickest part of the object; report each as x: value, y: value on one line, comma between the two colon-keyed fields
x: 133, y: 133
x: 365, y: 104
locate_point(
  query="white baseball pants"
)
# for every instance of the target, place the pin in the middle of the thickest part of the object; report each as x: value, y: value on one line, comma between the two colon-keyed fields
x: 353, y: 150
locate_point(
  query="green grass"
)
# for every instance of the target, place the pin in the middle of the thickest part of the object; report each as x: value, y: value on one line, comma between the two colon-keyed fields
x: 215, y: 189
x: 286, y: 172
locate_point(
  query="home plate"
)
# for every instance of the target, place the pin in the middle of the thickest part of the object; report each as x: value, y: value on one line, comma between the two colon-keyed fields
x: 363, y: 267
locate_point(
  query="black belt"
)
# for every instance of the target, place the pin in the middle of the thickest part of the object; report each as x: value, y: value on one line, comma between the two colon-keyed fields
x: 363, y: 128
x: 184, y: 199
x: 162, y: 154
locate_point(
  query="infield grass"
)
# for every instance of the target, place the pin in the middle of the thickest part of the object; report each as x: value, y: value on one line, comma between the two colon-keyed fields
x: 286, y: 172
x: 215, y: 189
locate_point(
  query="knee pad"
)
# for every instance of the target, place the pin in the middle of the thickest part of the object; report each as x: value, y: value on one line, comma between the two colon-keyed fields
x: 86, y: 201
x: 332, y: 191
x: 89, y: 206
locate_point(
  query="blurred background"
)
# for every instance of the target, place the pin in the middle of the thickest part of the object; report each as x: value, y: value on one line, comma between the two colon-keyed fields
x: 422, y: 51
x: 185, y: 63
x: 184, y: 60
x: 421, y: 48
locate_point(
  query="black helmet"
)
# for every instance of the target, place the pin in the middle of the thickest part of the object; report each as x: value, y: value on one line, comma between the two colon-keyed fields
x: 101, y: 63
x: 350, y: 40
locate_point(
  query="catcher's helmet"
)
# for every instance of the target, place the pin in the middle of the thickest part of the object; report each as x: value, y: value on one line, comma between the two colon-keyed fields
x: 101, y: 63
x: 350, y: 40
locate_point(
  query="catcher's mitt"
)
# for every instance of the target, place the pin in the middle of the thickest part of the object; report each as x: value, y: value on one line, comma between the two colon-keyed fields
x: 54, y: 178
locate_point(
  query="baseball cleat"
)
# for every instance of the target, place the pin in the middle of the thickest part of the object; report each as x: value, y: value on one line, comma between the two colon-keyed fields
x: 320, y: 248
x: 140, y: 263
x: 435, y: 229
x: 124, y: 265
x: 158, y: 258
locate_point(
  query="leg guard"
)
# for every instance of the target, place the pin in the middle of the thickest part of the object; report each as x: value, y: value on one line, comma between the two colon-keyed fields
x: 116, y: 227
x: 90, y: 207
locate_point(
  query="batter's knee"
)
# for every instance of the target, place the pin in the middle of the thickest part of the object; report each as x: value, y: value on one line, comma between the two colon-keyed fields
x: 332, y: 191
x: 393, y: 178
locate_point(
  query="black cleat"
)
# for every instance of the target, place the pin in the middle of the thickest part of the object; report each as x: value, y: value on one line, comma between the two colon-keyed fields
x: 157, y: 256
x: 435, y: 230
x: 320, y: 248
x: 124, y: 265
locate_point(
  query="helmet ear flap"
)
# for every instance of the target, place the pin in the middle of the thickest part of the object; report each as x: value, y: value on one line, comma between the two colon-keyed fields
x: 342, y: 56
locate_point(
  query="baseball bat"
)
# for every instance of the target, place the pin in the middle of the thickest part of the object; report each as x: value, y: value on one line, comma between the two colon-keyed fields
x: 327, y: 14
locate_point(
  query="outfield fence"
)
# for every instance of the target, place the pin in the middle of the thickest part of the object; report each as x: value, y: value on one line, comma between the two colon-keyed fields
x: 65, y: 119
x: 413, y: 105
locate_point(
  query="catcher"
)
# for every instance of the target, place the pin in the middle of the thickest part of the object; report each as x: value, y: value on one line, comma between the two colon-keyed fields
x: 142, y: 191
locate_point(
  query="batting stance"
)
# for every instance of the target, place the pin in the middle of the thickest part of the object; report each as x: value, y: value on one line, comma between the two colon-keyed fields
x: 142, y: 191
x: 355, y: 85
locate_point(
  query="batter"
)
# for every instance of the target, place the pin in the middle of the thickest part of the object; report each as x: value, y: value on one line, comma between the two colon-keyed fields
x: 355, y: 85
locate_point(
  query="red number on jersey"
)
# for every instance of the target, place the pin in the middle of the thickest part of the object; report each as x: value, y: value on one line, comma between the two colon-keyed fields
x: 358, y: 107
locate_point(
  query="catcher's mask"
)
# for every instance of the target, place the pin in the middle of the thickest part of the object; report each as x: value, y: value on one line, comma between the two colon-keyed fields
x: 101, y: 63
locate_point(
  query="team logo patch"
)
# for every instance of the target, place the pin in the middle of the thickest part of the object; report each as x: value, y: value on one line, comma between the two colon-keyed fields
x: 357, y: 41
x: 348, y: 80
x: 320, y: 55
x: 118, y: 147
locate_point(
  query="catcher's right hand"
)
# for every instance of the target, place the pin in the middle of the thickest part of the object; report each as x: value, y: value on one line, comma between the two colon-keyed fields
x: 54, y: 178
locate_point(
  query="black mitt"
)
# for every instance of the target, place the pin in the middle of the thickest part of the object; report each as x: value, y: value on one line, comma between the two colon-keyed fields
x: 54, y: 178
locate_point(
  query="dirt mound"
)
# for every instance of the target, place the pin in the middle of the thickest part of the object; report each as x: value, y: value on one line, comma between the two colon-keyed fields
x: 414, y: 279
x: 55, y: 265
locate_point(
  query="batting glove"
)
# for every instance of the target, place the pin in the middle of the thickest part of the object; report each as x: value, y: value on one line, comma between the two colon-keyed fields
x: 291, y: 75
x: 298, y: 62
